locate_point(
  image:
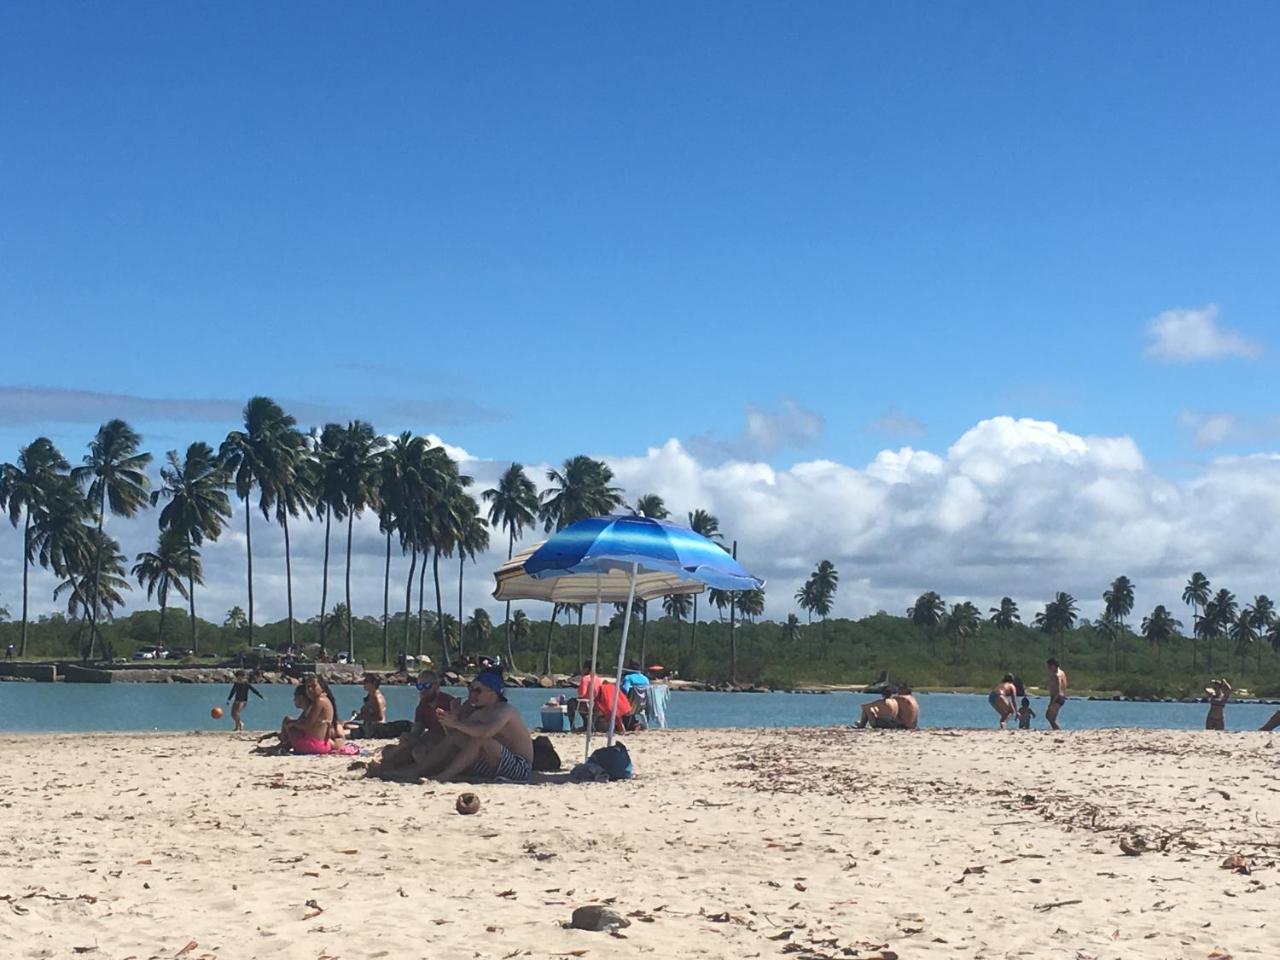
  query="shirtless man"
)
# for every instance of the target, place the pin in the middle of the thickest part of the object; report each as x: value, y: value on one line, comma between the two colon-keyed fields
x: 908, y: 708
x: 492, y: 741
x: 1004, y: 698
x: 397, y: 760
x: 882, y: 714
x: 1057, y: 692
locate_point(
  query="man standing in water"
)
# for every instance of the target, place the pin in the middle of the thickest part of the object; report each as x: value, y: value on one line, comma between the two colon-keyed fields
x: 1057, y: 692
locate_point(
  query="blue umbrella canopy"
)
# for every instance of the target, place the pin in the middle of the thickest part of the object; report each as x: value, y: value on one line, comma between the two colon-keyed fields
x: 604, y: 544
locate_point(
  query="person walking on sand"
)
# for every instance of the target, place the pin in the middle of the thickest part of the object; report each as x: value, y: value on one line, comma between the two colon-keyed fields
x: 1057, y: 692
x: 1218, y: 692
x: 1004, y: 698
x: 239, y: 697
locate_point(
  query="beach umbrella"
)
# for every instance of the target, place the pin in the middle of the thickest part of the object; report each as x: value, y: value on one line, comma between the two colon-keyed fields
x: 512, y: 582
x: 636, y: 546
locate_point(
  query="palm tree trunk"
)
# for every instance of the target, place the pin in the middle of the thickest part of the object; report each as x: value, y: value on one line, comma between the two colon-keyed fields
x: 408, y: 600
x: 580, y: 634
x: 386, y: 606
x: 191, y: 597
x: 351, y: 636
x: 288, y: 577
x: 164, y: 600
x: 693, y: 629
x: 324, y: 578
x: 644, y: 625
x: 97, y: 566
x: 462, y: 565
x: 248, y: 543
x: 26, y: 573
x: 422, y: 581
x: 435, y: 574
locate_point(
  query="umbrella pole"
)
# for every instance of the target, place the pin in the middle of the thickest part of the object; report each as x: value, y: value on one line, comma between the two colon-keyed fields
x: 622, y: 650
x: 595, y: 645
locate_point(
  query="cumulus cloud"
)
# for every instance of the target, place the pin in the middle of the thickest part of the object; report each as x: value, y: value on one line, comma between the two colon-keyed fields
x: 765, y: 433
x: 1184, y: 335
x: 1013, y: 507
x: 1216, y: 429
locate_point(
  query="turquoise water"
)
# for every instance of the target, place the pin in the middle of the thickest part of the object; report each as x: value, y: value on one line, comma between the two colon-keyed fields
x: 70, y: 707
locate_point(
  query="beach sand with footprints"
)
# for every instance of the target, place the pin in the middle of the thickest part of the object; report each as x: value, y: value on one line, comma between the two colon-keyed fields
x: 803, y: 844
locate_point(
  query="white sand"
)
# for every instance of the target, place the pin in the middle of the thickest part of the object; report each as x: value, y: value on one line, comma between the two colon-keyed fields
x: 730, y: 843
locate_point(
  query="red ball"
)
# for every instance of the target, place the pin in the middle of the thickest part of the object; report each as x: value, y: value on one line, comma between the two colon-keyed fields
x: 216, y: 713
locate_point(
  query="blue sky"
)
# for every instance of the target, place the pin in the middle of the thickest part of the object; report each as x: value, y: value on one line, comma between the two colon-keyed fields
x: 591, y: 227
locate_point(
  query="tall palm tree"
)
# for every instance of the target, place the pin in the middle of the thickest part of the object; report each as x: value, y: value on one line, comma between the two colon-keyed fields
x: 650, y: 505
x: 480, y: 627
x: 792, y: 624
x: 677, y: 606
x: 94, y: 580
x: 826, y: 580
x: 293, y: 496
x: 1219, y: 615
x: 708, y: 525
x: 580, y: 489
x: 513, y: 505
x: 327, y: 497
x: 806, y: 598
x: 165, y: 568
x: 1244, y: 634
x: 751, y: 603
x: 447, y: 517
x: 928, y: 610
x: 1003, y: 619
x: 59, y: 532
x: 197, y: 507
x: 521, y: 628
x: 1059, y: 614
x: 1160, y: 628
x: 113, y: 474
x: 357, y: 459
x: 1262, y: 612
x: 473, y: 538
x: 961, y: 623
x: 1118, y: 604
x: 1196, y: 594
x: 25, y: 489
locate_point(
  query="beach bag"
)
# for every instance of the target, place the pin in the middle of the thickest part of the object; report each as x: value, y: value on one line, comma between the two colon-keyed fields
x: 615, y: 761
x: 545, y: 758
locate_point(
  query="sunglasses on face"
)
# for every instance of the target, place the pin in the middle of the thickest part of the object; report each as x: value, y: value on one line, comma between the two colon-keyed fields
x: 424, y: 686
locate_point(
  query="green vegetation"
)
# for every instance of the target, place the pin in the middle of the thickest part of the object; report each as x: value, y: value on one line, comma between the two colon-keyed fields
x: 423, y: 505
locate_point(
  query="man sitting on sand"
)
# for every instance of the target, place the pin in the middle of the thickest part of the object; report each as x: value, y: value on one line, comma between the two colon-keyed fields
x: 426, y: 733
x: 908, y: 707
x: 1057, y: 692
x: 588, y: 688
x: 887, y: 713
x: 492, y: 741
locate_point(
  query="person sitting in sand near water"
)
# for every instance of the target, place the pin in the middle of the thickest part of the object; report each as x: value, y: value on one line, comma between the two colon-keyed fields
x: 317, y: 730
x: 1025, y: 713
x: 397, y: 760
x: 373, y: 710
x: 896, y: 709
x: 239, y: 697
x: 588, y: 688
x: 1218, y: 692
x: 1057, y: 692
x: 1004, y: 698
x: 288, y: 724
x: 491, y: 740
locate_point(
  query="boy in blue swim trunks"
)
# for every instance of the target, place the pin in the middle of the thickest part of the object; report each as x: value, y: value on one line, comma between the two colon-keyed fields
x: 492, y: 741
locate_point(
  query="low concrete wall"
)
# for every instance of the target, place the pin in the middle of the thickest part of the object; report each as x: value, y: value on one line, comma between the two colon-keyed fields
x: 43, y: 672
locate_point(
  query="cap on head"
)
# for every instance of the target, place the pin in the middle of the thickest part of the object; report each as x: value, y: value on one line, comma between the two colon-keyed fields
x: 493, y: 681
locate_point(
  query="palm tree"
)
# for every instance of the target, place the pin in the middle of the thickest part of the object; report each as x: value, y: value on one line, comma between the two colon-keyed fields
x: 708, y: 525
x: 472, y: 538
x: 825, y: 581
x: 520, y: 627
x: 793, y: 623
x: 806, y: 597
x: 1058, y: 616
x: 1196, y: 595
x: 751, y: 603
x: 94, y: 580
x: 25, y: 488
x: 1244, y: 634
x: 197, y: 508
x: 1219, y: 615
x: 326, y: 491
x: 1160, y: 628
x: 961, y: 622
x: 113, y: 474
x: 579, y: 490
x: 677, y: 606
x: 1118, y: 602
x: 650, y: 505
x: 59, y: 533
x: 480, y: 627
x: 1003, y: 619
x: 551, y: 626
x: 1262, y: 612
x: 446, y: 526
x: 357, y: 458
x: 513, y: 505
x: 928, y: 610
x: 165, y: 568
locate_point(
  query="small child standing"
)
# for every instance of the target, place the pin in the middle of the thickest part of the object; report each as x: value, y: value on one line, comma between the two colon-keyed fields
x: 1025, y: 713
x: 240, y: 691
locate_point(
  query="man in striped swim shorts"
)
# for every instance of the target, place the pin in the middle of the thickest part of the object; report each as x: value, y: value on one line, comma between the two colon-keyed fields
x: 494, y: 744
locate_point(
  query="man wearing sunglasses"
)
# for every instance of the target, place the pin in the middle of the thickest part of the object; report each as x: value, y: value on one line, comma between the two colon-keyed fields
x: 397, y: 761
x: 491, y: 741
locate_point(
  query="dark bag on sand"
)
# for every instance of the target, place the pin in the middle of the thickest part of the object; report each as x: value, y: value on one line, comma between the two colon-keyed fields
x: 614, y: 761
x: 545, y: 758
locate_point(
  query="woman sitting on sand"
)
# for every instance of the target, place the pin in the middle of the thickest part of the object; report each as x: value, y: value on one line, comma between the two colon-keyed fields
x: 288, y: 724
x: 1218, y: 692
x: 1004, y: 698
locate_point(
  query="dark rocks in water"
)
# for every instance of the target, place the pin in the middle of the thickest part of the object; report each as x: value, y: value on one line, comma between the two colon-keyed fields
x: 598, y: 918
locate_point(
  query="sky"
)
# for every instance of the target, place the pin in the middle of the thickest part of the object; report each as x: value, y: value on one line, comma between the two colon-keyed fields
x: 979, y: 298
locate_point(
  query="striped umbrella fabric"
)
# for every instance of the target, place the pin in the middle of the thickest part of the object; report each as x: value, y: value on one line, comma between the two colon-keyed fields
x: 513, y: 583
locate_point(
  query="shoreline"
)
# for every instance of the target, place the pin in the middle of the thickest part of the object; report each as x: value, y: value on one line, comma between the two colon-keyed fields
x: 862, y: 844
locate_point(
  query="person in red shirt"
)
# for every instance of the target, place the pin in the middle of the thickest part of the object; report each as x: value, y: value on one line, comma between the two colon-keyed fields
x: 606, y: 693
x: 588, y: 688
x: 398, y: 760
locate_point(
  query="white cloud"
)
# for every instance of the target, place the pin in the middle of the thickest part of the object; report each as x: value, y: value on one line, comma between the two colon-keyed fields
x: 1183, y: 335
x: 1216, y: 429
x: 1017, y: 507
x: 765, y: 433
x: 894, y: 423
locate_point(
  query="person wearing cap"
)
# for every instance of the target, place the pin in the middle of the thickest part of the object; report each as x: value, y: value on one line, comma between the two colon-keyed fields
x: 398, y: 760
x: 491, y: 741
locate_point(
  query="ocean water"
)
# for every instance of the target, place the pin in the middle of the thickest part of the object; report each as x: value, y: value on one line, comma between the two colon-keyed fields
x: 71, y: 707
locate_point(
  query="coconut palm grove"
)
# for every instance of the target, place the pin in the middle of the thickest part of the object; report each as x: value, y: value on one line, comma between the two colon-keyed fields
x: 432, y: 515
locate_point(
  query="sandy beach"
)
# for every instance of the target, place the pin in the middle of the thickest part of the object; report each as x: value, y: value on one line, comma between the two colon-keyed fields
x: 811, y: 844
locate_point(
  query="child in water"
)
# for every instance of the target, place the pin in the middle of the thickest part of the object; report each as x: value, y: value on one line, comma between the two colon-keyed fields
x: 1025, y: 713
